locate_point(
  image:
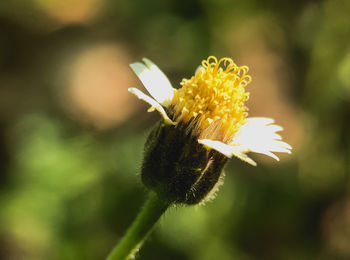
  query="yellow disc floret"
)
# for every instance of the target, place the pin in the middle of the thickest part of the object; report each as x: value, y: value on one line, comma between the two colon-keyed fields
x: 213, y: 99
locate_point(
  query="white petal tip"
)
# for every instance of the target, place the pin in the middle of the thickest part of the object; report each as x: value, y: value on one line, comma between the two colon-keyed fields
x: 288, y: 146
x: 253, y: 163
x: 137, y: 67
x: 268, y: 153
x: 154, y: 81
x: 148, y: 62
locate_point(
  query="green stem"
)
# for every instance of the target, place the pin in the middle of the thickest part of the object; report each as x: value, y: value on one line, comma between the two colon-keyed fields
x: 140, y: 229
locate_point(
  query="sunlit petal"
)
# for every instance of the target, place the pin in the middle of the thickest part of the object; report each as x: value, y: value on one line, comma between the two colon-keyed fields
x: 154, y: 104
x: 259, y: 135
x: 154, y: 81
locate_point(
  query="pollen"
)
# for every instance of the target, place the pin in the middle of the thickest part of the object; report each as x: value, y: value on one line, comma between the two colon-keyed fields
x: 213, y: 99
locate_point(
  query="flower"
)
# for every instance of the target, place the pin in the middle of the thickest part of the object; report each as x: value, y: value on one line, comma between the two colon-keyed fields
x: 210, y: 106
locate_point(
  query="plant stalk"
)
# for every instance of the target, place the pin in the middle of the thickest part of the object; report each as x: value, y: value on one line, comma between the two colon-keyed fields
x: 142, y: 226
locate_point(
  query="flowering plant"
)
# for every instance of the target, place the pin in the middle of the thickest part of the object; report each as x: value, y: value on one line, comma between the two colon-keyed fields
x: 204, y: 123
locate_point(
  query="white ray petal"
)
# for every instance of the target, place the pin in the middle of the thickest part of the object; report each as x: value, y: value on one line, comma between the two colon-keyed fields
x: 227, y: 150
x: 154, y: 104
x: 272, y: 155
x: 279, y: 150
x: 260, y: 120
x: 154, y: 80
x: 281, y: 144
x: 259, y: 135
x: 273, y: 128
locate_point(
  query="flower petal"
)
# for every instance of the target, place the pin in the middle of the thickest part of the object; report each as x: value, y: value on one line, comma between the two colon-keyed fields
x: 154, y: 81
x: 259, y: 135
x: 227, y: 150
x: 154, y: 104
x: 260, y: 120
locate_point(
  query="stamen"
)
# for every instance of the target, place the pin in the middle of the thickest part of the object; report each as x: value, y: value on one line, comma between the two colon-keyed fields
x: 214, y: 97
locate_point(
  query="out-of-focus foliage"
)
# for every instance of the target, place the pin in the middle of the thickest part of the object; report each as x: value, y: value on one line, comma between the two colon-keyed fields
x: 71, y: 137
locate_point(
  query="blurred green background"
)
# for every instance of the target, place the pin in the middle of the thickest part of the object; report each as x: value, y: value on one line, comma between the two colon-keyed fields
x: 71, y: 136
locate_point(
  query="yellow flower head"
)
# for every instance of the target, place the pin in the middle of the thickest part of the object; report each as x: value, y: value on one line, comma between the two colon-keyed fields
x: 210, y: 105
x: 214, y: 99
x: 205, y: 123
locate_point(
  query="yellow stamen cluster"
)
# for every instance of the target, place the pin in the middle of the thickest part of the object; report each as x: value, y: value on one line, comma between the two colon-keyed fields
x: 213, y: 99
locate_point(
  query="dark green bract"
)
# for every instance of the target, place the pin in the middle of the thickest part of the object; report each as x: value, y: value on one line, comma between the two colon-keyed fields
x: 178, y: 168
